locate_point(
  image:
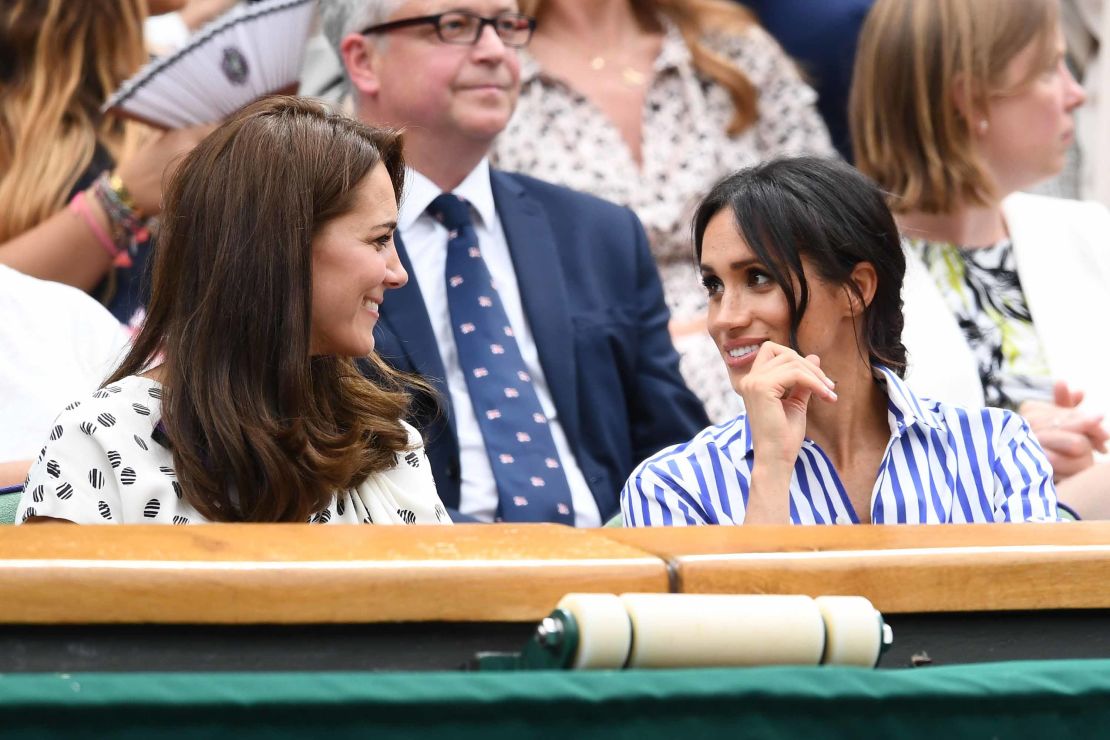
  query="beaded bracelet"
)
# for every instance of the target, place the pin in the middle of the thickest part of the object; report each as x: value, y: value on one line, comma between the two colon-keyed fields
x: 80, y: 206
x: 128, y: 224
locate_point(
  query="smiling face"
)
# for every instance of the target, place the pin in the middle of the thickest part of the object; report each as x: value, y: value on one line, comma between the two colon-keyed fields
x: 354, y: 263
x: 747, y: 307
x: 1030, y: 126
x: 441, y: 91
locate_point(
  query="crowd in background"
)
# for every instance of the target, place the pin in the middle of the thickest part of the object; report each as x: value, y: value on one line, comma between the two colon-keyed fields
x: 505, y: 272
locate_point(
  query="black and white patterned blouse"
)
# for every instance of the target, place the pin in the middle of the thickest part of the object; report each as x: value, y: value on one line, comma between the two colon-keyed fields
x: 103, y: 464
x: 559, y: 135
x: 982, y: 288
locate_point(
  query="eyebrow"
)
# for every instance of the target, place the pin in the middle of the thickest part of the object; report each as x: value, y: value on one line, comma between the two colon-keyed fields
x: 734, y: 267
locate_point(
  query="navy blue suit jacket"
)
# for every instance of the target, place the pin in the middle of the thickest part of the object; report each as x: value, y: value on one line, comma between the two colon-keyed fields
x: 593, y: 300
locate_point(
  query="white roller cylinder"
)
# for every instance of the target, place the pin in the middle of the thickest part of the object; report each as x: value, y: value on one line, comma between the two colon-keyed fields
x: 853, y: 630
x: 604, y: 632
x: 675, y: 630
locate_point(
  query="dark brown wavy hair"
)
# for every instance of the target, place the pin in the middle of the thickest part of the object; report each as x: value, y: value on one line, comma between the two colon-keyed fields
x: 260, y: 430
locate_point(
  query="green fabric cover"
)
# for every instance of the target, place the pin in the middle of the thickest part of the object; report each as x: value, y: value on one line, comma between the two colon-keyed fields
x: 9, y: 502
x: 1050, y: 699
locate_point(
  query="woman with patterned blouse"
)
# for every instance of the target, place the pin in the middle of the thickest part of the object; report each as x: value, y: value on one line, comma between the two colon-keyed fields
x: 955, y: 107
x: 240, y: 400
x: 801, y: 263
x: 648, y: 103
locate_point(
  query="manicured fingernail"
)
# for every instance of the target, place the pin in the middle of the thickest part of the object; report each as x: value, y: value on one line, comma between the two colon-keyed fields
x: 830, y: 383
x: 832, y: 395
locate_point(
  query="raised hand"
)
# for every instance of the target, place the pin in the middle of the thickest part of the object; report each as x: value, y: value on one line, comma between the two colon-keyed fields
x: 777, y: 393
x: 143, y: 173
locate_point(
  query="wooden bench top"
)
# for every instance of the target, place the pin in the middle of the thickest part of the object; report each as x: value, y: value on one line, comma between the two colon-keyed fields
x: 229, y: 574
x: 901, y: 569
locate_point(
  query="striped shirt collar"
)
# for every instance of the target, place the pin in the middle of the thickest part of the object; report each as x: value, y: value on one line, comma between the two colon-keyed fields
x: 904, y: 411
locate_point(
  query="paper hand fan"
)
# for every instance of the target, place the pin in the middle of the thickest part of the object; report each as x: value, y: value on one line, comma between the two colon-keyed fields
x: 250, y: 52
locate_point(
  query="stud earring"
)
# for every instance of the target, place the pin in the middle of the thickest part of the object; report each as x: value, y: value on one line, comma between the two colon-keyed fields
x: 983, y: 126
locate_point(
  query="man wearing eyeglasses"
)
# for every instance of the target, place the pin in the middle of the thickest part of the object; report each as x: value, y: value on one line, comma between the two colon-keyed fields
x: 537, y: 311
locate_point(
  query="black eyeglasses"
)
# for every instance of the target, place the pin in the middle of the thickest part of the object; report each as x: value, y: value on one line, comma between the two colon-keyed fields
x: 465, y: 28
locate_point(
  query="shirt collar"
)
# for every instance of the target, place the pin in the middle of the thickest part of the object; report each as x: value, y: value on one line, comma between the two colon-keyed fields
x: 420, y: 192
x: 903, y: 411
x: 673, y: 54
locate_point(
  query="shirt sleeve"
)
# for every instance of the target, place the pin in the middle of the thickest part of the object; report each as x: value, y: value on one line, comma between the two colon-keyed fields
x: 72, y: 478
x: 652, y: 497
x: 1023, y: 488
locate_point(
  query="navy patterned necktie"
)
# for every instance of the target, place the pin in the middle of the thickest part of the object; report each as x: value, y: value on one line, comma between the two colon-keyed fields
x: 531, y: 484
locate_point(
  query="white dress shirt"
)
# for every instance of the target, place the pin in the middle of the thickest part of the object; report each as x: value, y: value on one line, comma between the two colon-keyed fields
x: 425, y: 241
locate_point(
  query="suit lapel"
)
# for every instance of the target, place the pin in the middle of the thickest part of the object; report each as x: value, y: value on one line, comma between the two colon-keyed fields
x: 541, y: 282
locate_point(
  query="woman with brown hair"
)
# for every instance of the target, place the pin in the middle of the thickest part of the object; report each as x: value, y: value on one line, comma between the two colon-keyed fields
x: 59, y: 62
x: 240, y: 399
x: 955, y: 108
x: 647, y: 103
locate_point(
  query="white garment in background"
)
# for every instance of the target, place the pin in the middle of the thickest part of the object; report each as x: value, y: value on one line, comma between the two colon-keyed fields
x: 1062, y: 249
x: 56, y: 344
x: 425, y: 241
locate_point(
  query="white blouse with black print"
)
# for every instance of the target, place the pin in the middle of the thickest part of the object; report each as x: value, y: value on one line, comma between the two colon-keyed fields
x: 107, y: 462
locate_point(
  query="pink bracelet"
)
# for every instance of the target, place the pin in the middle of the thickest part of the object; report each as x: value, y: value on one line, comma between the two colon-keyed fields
x: 79, y: 205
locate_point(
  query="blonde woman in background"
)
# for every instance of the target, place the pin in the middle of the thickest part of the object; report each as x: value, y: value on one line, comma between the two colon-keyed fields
x: 647, y: 103
x: 59, y: 61
x: 955, y: 108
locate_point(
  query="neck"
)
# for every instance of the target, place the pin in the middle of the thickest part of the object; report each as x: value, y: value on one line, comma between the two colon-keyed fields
x: 447, y: 172
x: 597, y: 24
x: 965, y: 225
x: 444, y: 158
x: 843, y: 428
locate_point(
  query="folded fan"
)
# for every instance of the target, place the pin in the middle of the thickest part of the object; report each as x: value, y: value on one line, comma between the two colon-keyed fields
x: 246, y: 54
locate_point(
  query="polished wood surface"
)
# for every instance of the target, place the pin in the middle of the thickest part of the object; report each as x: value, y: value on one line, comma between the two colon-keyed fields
x: 282, y: 574
x: 301, y: 574
x: 900, y: 568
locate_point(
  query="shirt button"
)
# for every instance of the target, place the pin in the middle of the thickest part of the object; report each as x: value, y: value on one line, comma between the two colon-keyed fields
x: 842, y: 519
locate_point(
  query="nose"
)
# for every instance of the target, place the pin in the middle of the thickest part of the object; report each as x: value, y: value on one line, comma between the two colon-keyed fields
x: 395, y: 274
x: 729, y: 314
x: 1074, y: 94
x: 489, y: 45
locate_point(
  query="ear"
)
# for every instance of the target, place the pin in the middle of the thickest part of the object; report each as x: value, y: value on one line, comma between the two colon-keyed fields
x: 866, y: 282
x: 962, y: 94
x: 361, y: 59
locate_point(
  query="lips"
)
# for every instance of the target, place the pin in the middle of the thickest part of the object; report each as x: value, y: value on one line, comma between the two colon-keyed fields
x: 741, y: 352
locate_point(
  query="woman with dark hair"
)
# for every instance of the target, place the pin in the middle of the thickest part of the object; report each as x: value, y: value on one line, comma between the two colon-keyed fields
x: 240, y: 399
x: 647, y: 103
x: 801, y: 262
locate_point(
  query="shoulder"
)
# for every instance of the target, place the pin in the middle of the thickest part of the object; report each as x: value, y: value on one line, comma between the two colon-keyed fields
x: 752, y: 50
x: 712, y: 443
x: 557, y: 198
x: 1073, y: 213
x: 979, y: 426
x: 127, y: 408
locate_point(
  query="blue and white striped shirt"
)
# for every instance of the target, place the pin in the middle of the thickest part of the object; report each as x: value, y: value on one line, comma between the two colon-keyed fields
x: 942, y: 464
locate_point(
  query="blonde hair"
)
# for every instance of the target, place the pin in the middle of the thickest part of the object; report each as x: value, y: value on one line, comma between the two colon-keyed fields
x: 60, y: 60
x: 695, y: 20
x: 915, y: 59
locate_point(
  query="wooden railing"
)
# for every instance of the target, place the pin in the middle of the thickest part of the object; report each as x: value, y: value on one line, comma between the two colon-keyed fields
x: 289, y: 574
